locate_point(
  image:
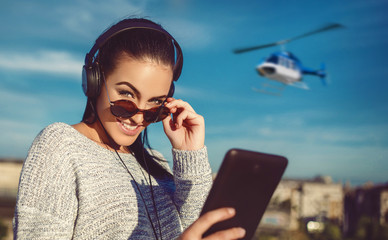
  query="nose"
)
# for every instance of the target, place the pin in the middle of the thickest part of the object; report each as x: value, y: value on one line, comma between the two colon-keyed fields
x: 138, y: 117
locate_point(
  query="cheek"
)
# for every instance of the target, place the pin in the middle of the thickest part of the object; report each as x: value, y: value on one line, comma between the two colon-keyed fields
x: 103, y: 108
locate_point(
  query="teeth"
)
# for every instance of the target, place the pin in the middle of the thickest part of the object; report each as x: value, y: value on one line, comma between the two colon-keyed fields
x: 129, y: 127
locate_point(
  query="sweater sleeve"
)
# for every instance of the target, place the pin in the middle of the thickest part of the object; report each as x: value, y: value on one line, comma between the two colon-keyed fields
x: 192, y: 176
x: 46, y: 204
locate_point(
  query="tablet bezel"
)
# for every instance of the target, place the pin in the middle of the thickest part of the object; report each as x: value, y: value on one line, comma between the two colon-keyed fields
x: 245, y: 181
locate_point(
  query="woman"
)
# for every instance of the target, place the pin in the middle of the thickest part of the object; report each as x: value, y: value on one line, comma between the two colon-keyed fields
x: 96, y: 179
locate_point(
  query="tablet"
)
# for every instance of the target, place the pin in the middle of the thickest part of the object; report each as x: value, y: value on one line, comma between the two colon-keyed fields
x: 245, y: 181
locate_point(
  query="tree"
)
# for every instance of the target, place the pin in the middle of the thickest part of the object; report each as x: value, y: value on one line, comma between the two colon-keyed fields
x: 332, y: 231
x: 369, y: 228
x: 3, y: 229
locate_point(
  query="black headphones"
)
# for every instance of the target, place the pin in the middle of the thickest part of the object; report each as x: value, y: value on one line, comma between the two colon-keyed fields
x: 91, y: 74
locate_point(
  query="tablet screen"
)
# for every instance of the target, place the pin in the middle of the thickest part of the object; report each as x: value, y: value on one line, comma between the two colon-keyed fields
x: 245, y: 181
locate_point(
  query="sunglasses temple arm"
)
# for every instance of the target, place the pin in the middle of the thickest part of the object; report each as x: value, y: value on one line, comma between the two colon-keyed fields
x: 160, y: 110
x: 106, y: 88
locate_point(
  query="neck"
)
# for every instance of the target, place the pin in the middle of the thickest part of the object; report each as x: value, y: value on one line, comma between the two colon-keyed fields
x: 97, y: 133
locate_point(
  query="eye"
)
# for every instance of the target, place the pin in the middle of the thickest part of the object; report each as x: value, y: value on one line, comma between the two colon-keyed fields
x: 156, y: 101
x: 126, y: 93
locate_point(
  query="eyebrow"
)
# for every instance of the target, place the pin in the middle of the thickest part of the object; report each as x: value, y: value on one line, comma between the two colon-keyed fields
x: 137, y: 93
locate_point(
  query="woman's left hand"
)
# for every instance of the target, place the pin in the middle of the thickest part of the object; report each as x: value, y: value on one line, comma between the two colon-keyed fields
x: 185, y: 129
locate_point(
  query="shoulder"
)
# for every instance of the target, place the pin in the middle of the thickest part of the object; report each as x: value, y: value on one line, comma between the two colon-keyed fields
x: 52, y: 137
x: 56, y: 129
x: 55, y: 133
x: 51, y: 152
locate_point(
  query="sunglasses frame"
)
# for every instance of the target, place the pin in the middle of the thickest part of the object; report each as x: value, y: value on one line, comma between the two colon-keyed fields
x: 159, y: 114
x: 151, y: 115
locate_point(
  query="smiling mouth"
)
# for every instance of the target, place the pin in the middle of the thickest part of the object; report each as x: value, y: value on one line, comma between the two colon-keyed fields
x: 129, y: 129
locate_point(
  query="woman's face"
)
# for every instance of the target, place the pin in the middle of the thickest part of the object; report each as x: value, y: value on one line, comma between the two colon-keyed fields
x: 144, y: 82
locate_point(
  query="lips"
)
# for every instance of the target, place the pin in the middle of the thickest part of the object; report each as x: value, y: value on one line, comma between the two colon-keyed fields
x: 128, y: 129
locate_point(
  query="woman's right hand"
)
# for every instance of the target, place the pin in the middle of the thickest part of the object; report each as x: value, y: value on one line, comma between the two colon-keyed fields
x: 199, y: 227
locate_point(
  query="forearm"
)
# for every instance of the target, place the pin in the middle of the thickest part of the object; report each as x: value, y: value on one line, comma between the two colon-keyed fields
x: 192, y: 176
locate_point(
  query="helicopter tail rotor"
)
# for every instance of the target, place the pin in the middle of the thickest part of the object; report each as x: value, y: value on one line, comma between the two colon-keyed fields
x: 322, y: 74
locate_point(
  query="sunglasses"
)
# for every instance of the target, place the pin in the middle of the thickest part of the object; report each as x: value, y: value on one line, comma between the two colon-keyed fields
x: 127, y: 109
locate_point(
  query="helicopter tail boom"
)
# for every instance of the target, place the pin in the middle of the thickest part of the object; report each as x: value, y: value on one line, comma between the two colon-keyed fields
x: 320, y: 73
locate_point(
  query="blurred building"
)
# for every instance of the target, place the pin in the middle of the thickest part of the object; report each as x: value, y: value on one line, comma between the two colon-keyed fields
x: 384, y: 206
x: 370, y: 201
x: 313, y: 200
x: 9, y: 180
x: 321, y: 197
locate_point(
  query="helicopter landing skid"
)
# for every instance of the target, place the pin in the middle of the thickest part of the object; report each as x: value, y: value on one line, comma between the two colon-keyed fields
x: 275, y: 90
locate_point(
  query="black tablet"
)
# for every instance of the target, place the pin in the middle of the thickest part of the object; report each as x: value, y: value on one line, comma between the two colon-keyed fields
x: 245, y: 181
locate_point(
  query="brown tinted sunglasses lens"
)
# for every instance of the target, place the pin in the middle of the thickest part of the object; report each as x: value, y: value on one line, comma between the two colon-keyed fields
x: 164, y: 112
x: 127, y: 109
x: 123, y: 109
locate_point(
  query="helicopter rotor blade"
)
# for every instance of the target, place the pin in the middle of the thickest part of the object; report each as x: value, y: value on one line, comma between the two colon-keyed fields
x: 319, y: 30
x: 248, y: 49
x: 282, y: 42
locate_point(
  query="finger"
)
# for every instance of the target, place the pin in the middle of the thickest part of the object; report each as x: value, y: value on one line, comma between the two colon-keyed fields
x: 178, y: 103
x: 168, y: 124
x: 187, y: 117
x: 231, y: 233
x: 179, y: 117
x: 210, y: 218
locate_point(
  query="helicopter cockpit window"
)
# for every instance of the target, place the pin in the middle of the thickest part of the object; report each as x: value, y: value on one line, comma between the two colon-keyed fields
x: 289, y: 64
x: 292, y: 65
x: 282, y: 62
x: 273, y: 59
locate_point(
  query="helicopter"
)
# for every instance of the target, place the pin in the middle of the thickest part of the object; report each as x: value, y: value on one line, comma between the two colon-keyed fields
x: 284, y: 67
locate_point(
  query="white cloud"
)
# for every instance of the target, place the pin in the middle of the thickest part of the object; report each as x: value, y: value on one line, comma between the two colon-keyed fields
x: 23, y: 107
x: 189, y: 34
x: 45, y: 61
x: 23, y: 115
x: 15, y: 97
x: 85, y: 18
x: 16, y: 137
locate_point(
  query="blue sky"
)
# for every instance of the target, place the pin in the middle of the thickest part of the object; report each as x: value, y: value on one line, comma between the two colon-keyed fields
x: 339, y: 130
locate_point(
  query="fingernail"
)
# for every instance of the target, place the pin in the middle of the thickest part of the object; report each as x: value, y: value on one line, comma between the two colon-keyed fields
x: 242, y: 232
x: 231, y: 211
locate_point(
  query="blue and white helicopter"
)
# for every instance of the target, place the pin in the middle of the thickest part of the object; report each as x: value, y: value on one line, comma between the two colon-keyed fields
x: 285, y: 67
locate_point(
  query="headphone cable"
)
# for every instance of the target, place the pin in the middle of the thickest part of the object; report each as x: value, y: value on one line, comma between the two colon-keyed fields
x: 152, y: 190
x: 133, y: 178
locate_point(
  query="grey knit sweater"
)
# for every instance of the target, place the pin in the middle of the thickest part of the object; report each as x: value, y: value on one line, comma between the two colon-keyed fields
x: 72, y: 188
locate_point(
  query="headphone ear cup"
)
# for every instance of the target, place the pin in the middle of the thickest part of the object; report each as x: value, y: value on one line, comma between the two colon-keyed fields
x: 91, y: 80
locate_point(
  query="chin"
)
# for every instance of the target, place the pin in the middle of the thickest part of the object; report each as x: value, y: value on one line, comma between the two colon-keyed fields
x: 119, y: 137
x: 125, y: 140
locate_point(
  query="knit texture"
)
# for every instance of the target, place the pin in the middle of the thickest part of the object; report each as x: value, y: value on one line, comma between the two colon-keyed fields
x: 72, y: 188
